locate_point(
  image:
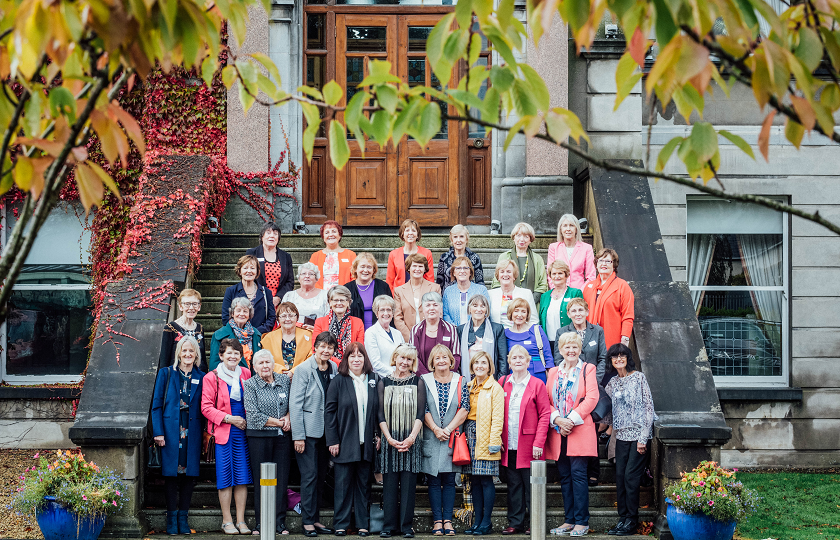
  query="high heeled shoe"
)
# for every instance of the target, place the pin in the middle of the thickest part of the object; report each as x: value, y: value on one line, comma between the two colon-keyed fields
x: 481, y: 531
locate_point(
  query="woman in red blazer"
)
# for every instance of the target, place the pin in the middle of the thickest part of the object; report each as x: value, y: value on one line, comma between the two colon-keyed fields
x: 410, y: 234
x: 611, y: 301
x: 344, y: 327
x: 573, y: 391
x: 527, y: 414
x: 223, y: 405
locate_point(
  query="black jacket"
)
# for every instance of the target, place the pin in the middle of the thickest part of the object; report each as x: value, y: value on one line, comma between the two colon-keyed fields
x: 287, y: 271
x: 264, y: 314
x: 357, y: 306
x: 499, y: 341
x: 341, y: 424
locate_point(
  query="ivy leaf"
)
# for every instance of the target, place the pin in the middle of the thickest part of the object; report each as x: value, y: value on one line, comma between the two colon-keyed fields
x: 332, y: 93
x: 737, y: 141
x: 339, y: 149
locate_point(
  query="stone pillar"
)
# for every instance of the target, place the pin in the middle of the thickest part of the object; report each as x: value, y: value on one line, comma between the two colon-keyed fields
x: 247, y: 134
x: 536, y: 187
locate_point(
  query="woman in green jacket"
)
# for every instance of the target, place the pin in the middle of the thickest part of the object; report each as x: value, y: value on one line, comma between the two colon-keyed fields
x: 532, y: 274
x: 553, y: 315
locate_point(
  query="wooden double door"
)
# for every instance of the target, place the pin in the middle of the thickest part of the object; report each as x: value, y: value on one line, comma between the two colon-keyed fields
x: 404, y: 179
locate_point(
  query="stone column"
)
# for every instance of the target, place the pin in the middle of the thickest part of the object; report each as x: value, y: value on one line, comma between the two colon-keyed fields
x: 536, y: 187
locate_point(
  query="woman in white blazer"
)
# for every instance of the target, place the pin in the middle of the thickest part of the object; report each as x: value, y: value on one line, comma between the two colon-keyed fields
x: 571, y: 249
x: 507, y: 272
x: 381, y: 339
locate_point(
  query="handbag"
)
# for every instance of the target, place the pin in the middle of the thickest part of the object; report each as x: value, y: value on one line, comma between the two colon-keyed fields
x: 153, y: 458
x: 458, y: 439
x: 208, y: 439
x: 604, y: 406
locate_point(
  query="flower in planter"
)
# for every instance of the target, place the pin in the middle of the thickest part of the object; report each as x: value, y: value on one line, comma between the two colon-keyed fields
x: 712, y: 490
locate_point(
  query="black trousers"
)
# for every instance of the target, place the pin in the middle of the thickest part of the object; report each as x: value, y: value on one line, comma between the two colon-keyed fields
x: 398, y: 492
x: 314, y: 463
x: 352, y: 494
x: 593, y: 468
x: 179, y: 490
x: 271, y: 450
x: 519, y: 492
x: 629, y: 466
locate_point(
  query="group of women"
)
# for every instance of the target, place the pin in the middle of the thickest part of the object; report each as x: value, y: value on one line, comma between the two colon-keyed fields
x: 383, y: 377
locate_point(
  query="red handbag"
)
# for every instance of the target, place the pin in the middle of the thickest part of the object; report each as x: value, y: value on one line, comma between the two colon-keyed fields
x: 458, y: 440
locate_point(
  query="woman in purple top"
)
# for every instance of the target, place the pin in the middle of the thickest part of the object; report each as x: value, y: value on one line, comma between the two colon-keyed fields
x: 531, y: 336
x: 365, y: 288
x: 432, y: 331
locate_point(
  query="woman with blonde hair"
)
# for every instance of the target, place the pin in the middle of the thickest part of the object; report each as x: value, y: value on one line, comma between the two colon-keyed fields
x: 554, y: 303
x: 531, y: 265
x: 189, y: 303
x: 531, y: 337
x: 402, y: 406
x: 459, y: 238
x: 571, y: 249
x: 484, y: 424
x: 381, y: 339
x: 398, y: 267
x: 456, y: 298
x: 409, y: 310
x: 507, y: 273
x: 365, y: 287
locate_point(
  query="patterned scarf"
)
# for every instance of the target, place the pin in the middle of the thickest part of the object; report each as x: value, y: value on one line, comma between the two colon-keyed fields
x: 566, y: 389
x: 340, y: 329
x: 244, y: 335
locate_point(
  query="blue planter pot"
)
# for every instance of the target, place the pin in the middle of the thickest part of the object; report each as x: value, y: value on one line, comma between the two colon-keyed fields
x: 58, y: 523
x: 697, y: 526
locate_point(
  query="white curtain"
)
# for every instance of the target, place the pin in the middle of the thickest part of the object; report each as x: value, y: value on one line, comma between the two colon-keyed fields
x: 762, y: 255
x: 701, y: 247
x: 779, y: 6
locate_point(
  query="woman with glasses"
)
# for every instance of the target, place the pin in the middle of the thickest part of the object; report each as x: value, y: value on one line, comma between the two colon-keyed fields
x: 398, y: 267
x: 434, y: 331
x: 290, y: 344
x: 311, y: 301
x: 409, y: 310
x: 344, y: 327
x: 189, y: 302
x: 532, y: 274
x: 456, y: 297
x: 459, y: 238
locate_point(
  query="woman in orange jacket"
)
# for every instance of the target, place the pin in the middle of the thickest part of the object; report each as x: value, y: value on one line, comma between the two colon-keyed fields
x: 333, y: 261
x: 573, y: 391
x: 344, y: 327
x: 611, y: 302
x: 397, y: 270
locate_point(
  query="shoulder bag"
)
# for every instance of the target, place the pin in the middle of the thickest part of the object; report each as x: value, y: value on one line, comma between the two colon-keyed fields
x: 538, y: 339
x: 208, y: 438
x: 458, y: 439
x: 604, y: 406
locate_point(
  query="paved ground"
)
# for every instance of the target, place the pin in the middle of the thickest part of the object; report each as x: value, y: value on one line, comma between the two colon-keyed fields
x: 219, y: 536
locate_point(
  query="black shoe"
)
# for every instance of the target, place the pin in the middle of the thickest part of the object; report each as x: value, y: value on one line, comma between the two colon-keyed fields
x: 617, y: 527
x: 385, y: 534
x: 592, y: 482
x: 340, y: 532
x: 364, y: 533
x: 628, y: 528
x: 481, y: 531
x: 310, y: 534
x: 323, y: 530
x: 409, y: 533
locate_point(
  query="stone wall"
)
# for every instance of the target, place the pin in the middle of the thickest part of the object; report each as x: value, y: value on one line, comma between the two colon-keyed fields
x: 35, y: 423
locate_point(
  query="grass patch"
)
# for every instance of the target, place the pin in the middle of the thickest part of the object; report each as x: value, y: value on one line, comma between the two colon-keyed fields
x: 795, y: 506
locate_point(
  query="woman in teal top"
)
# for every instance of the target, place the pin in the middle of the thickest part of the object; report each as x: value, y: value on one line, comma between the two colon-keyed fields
x: 553, y: 303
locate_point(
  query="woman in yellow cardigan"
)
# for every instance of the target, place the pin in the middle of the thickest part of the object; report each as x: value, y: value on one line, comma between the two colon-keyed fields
x: 290, y: 344
x: 484, y: 425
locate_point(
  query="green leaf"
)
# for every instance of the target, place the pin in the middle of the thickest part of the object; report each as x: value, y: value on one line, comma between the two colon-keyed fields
x: 23, y: 172
x: 504, y: 13
x: 737, y: 141
x: 429, y: 123
x: 824, y: 117
x: 665, y: 153
x: 406, y: 118
x: 514, y: 131
x: 435, y: 44
x: 454, y: 49
x: 355, y: 112
x: 314, y: 93
x: 625, y: 88
x: 339, y: 149
x: 463, y: 13
x: 62, y: 102
x: 810, y: 49
x: 522, y: 99
x: 32, y: 118
x: 246, y: 98
x: 310, y: 112
x: 830, y: 97
x: 769, y: 13
x: 332, y: 93
x: 831, y: 47
x: 228, y: 76
x: 490, y: 105
x: 380, y: 127
x: 169, y: 9
x: 208, y: 69
x: 539, y: 90
x: 475, y: 48
x: 471, y: 100
x: 748, y: 14
x: 794, y: 132
x: 501, y: 77
x: 576, y: 12
x: 703, y: 141
x: 387, y: 98
x: 557, y: 127
x: 666, y: 28
x: 269, y: 66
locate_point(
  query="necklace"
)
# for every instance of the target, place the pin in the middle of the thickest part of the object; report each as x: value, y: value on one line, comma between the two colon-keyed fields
x: 250, y: 295
x: 399, y: 380
x: 366, y: 287
x: 524, y: 272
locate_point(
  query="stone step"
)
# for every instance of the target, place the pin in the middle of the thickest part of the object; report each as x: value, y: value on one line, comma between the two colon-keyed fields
x: 206, y: 495
x: 210, y: 519
x: 363, y: 241
x: 229, y: 256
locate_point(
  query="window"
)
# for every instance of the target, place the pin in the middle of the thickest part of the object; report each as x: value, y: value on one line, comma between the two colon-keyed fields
x: 737, y: 269
x: 47, y: 333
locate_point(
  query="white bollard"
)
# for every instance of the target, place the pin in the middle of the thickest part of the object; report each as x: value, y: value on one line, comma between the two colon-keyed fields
x: 268, y: 501
x: 538, y: 481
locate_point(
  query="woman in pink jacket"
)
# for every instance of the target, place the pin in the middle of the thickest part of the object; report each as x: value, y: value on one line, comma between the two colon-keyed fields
x: 223, y: 405
x: 573, y: 391
x: 571, y: 249
x: 527, y: 414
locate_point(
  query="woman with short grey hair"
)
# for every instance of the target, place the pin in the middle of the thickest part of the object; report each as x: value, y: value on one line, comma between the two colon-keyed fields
x: 268, y: 425
x: 344, y: 327
x: 433, y: 330
x: 381, y: 339
x: 239, y: 328
x: 309, y: 299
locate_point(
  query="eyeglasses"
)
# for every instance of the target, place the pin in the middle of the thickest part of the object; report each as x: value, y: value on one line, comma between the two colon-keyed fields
x: 287, y: 316
x: 462, y: 268
x: 191, y: 304
x: 307, y: 274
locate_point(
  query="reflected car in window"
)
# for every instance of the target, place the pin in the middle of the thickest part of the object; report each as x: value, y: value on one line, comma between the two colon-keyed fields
x: 740, y: 347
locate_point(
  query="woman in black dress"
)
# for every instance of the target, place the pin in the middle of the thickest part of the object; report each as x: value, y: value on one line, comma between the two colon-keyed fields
x: 189, y: 302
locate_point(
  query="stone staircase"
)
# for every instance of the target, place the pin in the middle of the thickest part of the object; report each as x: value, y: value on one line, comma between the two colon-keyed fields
x: 216, y: 273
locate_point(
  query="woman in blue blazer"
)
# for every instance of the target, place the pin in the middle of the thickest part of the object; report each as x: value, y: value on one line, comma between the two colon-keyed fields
x: 176, y: 426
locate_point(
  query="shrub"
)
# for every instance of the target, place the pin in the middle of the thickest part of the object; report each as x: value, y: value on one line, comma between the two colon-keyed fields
x: 712, y: 490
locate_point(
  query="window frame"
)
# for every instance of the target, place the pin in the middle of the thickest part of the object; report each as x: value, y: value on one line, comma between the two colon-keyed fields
x: 741, y: 381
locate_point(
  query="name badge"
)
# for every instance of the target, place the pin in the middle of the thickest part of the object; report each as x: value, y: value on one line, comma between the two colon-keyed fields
x: 408, y: 390
x: 505, y: 394
x: 332, y: 375
x: 306, y: 338
x: 565, y: 299
x: 372, y: 383
x: 488, y: 340
x: 526, y: 342
x: 194, y: 381
x: 445, y: 338
x: 345, y: 260
x: 261, y: 259
x: 282, y: 395
x: 592, y: 343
